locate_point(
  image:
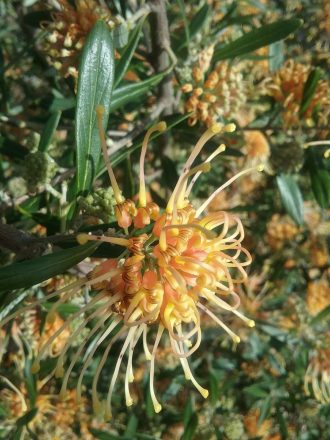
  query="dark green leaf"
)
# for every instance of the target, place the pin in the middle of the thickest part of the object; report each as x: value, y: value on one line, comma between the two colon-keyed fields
x: 253, y: 40
x: 188, y: 411
x: 61, y: 104
x: 199, y: 20
x: 190, y: 429
x: 131, y: 427
x: 214, y: 388
x: 95, y: 81
x: 126, y: 56
x: 28, y: 273
x: 309, y: 89
x: 323, y: 315
x: 265, y: 409
x: 321, y: 187
x: 49, y: 130
x: 196, y: 24
x: 291, y: 197
x: 102, y: 435
x: 131, y: 92
x: 24, y: 420
x: 256, y: 391
x: 30, y: 382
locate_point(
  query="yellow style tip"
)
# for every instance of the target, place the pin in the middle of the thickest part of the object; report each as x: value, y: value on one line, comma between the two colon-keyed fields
x: 51, y: 316
x: 97, y: 407
x: 230, y: 128
x: 261, y: 168
x: 236, y: 339
x: 82, y: 238
x: 161, y: 126
x: 222, y: 148
x: 157, y: 407
x: 107, y: 416
x: 129, y: 402
x: 131, y: 378
x: 251, y: 323
x: 216, y: 128
x: 59, y: 372
x: 205, y: 167
x: 204, y: 393
x: 62, y: 395
x: 99, y: 109
x: 35, y: 367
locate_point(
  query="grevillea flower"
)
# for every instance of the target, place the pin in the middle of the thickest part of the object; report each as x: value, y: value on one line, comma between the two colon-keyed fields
x: 286, y: 86
x: 69, y: 29
x: 220, y: 93
x: 175, y: 266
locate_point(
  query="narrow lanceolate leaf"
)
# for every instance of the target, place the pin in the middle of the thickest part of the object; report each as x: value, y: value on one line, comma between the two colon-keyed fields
x: 291, y: 197
x: 130, y: 92
x: 310, y: 89
x: 126, y: 56
x: 257, y: 38
x: 96, y: 74
x: 197, y: 23
x: 49, y: 130
x: 28, y: 273
x: 320, y: 179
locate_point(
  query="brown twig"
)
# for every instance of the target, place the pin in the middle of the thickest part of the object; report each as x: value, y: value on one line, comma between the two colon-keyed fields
x: 160, y: 40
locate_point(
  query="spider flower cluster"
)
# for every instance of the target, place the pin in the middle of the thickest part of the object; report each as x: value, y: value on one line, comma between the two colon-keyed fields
x: 287, y: 87
x: 69, y: 29
x: 219, y: 94
x: 176, y: 265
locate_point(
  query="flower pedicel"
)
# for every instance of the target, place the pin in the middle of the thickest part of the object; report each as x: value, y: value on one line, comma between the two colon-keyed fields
x: 188, y: 264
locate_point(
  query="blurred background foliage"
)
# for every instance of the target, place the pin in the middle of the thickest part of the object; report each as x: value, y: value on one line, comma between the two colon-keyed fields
x: 251, y: 62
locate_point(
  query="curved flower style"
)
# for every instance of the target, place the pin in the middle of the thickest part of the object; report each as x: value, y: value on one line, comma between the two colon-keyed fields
x: 175, y: 266
x: 318, y: 374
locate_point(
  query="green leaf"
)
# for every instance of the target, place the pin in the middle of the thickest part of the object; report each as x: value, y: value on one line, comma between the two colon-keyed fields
x: 253, y: 40
x: 323, y: 315
x: 28, y: 273
x: 291, y: 197
x: 265, y: 410
x: 276, y: 55
x: 196, y: 24
x: 95, y: 81
x: 191, y: 427
x: 310, y: 89
x: 256, y: 391
x: 131, y: 92
x: 49, y: 130
x: 131, y: 427
x: 214, y: 388
x: 199, y: 20
x: 24, y: 420
x: 126, y: 56
x: 61, y: 104
x: 321, y: 187
x: 102, y: 435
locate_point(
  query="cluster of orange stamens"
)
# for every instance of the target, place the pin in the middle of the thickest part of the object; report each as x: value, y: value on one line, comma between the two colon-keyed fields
x: 175, y: 265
